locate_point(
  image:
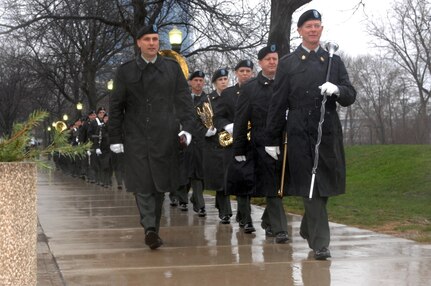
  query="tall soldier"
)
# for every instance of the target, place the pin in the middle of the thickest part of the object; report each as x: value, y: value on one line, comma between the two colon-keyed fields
x: 213, y: 152
x: 298, y: 88
x: 149, y: 101
x: 252, y: 107
x: 224, y: 120
x: 193, y: 170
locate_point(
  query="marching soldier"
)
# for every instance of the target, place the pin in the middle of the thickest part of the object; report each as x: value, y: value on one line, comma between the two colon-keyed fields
x: 193, y: 165
x: 149, y: 101
x: 299, y: 87
x: 224, y: 120
x: 252, y: 108
x: 213, y: 154
x: 95, y: 134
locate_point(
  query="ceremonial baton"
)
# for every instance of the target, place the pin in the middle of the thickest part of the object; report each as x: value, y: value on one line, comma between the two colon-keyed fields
x: 331, y: 47
x: 280, y: 192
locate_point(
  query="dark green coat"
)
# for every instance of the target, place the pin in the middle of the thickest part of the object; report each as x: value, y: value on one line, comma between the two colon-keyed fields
x: 148, y: 103
x: 296, y: 88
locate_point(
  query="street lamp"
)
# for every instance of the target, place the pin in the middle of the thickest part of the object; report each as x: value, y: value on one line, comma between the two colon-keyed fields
x: 175, y: 39
x: 110, y: 84
x: 79, y: 107
x: 65, y: 117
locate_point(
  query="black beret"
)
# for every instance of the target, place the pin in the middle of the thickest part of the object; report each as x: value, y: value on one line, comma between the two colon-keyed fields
x: 244, y: 64
x: 150, y: 29
x: 91, y: 112
x: 219, y: 73
x: 196, y: 74
x: 266, y: 50
x: 100, y: 109
x: 309, y: 15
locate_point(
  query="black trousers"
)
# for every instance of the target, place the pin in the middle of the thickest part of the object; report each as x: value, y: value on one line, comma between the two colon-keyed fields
x: 314, y: 225
x: 274, y: 215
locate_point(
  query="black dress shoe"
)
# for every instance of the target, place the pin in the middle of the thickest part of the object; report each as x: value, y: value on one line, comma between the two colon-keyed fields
x: 249, y: 228
x: 225, y: 219
x: 322, y: 254
x: 174, y: 203
x: 202, y: 212
x: 153, y: 240
x: 183, y: 207
x: 281, y: 237
x: 268, y: 232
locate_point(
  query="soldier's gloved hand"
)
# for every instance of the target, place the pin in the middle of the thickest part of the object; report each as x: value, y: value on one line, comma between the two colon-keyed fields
x: 117, y: 148
x: 273, y: 151
x: 240, y: 158
x: 184, y: 142
x: 211, y: 132
x: 98, y: 152
x: 89, y: 153
x: 229, y: 128
x: 329, y: 89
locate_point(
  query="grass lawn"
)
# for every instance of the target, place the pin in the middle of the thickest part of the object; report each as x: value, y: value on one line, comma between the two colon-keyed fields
x: 388, y: 190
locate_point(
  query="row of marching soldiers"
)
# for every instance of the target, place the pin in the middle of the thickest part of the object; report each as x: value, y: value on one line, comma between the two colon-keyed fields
x: 239, y: 167
x: 100, y: 164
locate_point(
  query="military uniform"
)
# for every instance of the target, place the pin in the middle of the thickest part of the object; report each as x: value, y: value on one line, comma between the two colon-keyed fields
x: 253, y: 107
x: 148, y: 103
x: 296, y: 88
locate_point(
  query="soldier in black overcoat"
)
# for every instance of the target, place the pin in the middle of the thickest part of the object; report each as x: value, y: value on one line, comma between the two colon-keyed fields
x: 252, y: 107
x: 299, y: 85
x: 213, y: 153
x: 193, y: 156
x: 224, y: 121
x: 149, y: 101
x: 95, y: 136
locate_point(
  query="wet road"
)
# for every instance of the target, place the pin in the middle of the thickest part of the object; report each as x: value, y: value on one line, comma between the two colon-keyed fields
x: 89, y: 235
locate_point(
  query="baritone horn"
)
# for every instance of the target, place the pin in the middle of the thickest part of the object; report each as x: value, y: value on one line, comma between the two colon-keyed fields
x: 206, y: 114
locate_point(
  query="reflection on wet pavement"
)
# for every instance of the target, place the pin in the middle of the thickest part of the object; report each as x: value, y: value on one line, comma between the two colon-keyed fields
x: 95, y: 238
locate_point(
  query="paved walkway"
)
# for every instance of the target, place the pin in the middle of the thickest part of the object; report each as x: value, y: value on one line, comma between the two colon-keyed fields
x: 89, y: 235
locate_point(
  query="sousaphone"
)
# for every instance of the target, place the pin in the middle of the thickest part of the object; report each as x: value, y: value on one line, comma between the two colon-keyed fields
x: 179, y: 58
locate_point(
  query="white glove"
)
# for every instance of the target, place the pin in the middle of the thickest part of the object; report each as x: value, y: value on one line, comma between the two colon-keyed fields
x: 329, y: 89
x: 117, y: 148
x: 188, y: 136
x: 89, y: 153
x: 98, y: 152
x: 240, y: 158
x: 211, y: 132
x: 229, y: 128
x: 273, y: 151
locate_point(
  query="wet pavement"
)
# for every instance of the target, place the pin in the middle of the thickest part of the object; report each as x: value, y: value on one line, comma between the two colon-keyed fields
x: 89, y: 235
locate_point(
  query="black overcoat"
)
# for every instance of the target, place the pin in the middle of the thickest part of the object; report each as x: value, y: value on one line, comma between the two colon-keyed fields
x: 193, y: 156
x: 148, y: 103
x: 296, y: 88
x: 213, y: 153
x: 239, y: 177
x: 252, y: 107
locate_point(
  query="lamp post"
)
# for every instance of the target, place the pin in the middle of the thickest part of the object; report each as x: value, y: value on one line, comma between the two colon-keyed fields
x: 175, y: 39
x: 110, y: 84
x: 79, y: 107
x: 65, y: 117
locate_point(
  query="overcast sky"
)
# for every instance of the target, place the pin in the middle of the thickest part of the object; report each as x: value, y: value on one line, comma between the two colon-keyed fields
x: 343, y: 25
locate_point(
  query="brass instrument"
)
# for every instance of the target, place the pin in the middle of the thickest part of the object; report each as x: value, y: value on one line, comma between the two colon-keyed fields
x: 60, y: 126
x: 206, y: 114
x: 225, y: 139
x: 180, y: 59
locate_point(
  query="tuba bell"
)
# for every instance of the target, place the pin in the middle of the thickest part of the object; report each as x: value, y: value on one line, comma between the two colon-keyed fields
x: 60, y: 126
x: 180, y: 59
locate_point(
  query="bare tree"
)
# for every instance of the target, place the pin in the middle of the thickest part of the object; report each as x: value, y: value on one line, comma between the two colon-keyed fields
x: 407, y: 39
